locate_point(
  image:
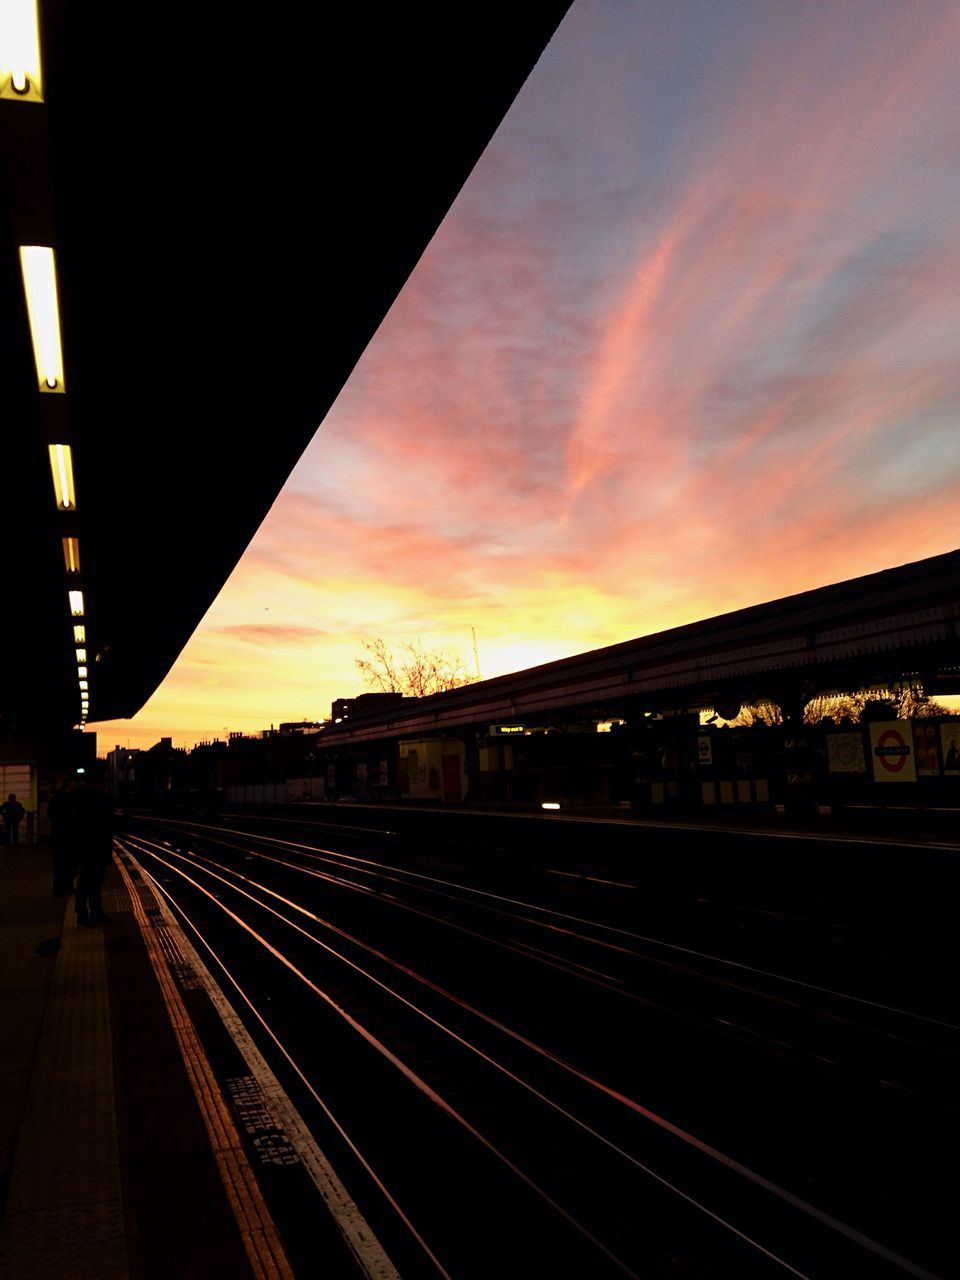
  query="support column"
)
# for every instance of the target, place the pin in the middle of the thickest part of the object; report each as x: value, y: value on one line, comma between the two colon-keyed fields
x: 799, y: 793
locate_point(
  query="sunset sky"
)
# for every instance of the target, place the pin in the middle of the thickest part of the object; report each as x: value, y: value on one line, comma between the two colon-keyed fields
x: 687, y: 340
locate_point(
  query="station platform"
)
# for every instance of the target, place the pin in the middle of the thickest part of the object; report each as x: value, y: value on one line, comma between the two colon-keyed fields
x: 117, y: 1158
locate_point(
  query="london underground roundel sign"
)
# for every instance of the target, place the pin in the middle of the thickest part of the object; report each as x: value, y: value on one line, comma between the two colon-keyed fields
x: 893, y: 759
x: 892, y: 751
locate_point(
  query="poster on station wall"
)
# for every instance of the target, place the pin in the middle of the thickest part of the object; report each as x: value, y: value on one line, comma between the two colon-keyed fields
x: 927, y: 749
x: 845, y: 753
x: 891, y: 750
x: 950, y: 746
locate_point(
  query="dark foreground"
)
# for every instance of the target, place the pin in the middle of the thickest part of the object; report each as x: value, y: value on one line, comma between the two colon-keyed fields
x: 590, y: 1050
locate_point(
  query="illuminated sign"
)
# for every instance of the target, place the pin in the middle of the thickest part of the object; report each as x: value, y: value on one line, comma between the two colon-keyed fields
x: 502, y: 729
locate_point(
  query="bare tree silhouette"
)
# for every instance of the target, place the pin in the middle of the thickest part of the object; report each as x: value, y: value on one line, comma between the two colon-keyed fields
x: 417, y: 673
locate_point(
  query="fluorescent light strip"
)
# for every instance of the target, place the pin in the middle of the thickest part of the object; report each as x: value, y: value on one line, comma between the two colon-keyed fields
x: 71, y: 554
x: 81, y: 655
x: 84, y: 684
x: 82, y: 671
x: 76, y: 603
x: 80, y: 635
x: 61, y: 466
x: 20, y: 75
x: 40, y: 283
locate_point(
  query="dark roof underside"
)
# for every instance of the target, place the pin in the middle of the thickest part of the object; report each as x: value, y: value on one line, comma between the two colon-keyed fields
x: 236, y: 198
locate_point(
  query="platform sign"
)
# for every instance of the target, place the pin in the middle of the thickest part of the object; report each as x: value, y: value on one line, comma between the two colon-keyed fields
x: 927, y: 748
x: 891, y: 750
x: 845, y: 753
x: 950, y: 747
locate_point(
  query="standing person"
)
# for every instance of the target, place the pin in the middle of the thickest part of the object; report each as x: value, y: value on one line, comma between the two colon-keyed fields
x: 91, y: 835
x: 13, y: 812
x: 58, y: 813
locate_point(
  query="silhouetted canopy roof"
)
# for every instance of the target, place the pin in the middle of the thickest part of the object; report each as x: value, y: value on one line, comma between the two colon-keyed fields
x: 235, y: 196
x: 880, y: 627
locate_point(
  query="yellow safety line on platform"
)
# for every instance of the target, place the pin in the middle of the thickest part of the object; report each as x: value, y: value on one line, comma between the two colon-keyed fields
x: 260, y: 1237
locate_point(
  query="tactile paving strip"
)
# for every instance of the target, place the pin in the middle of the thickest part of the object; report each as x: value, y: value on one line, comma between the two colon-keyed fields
x: 264, y: 1248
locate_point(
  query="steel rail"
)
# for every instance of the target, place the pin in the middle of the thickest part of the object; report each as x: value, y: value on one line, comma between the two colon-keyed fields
x: 313, y: 850
x: 195, y: 860
x: 421, y: 1085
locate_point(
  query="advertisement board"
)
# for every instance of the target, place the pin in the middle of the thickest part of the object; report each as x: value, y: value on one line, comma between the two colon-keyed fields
x: 950, y: 747
x: 845, y: 753
x: 926, y: 746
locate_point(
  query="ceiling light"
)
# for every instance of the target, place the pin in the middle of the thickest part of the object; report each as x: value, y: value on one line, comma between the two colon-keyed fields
x: 80, y: 634
x: 81, y: 655
x: 71, y: 554
x: 20, y: 51
x: 40, y: 282
x: 82, y: 671
x: 61, y: 464
x: 76, y: 603
x: 84, y: 684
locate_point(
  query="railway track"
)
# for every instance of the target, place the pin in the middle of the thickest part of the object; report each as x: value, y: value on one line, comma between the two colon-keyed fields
x: 494, y: 1056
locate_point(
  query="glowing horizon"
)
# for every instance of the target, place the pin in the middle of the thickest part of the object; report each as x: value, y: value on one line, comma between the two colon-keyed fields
x: 686, y: 341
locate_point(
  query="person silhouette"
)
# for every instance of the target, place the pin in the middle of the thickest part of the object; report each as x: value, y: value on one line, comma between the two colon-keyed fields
x: 13, y: 813
x: 91, y: 838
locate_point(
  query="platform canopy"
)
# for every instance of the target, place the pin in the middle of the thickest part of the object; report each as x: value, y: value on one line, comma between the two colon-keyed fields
x: 878, y: 630
x: 234, y: 196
